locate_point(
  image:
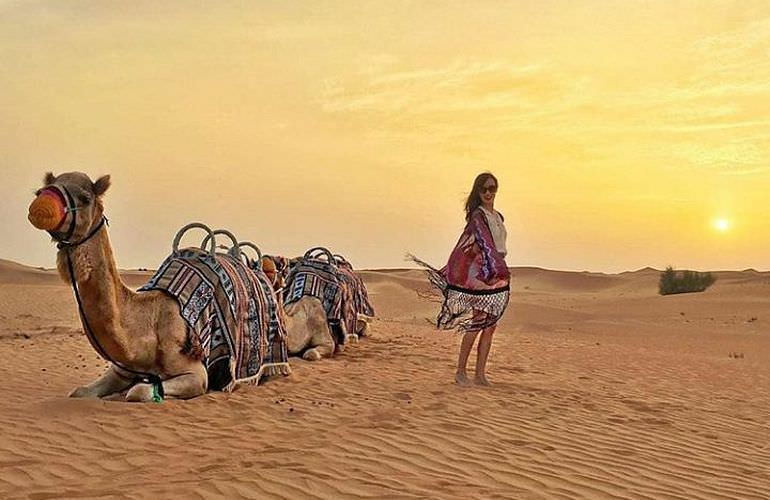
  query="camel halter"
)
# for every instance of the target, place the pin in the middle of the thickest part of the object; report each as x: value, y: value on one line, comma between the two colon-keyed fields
x: 67, y: 247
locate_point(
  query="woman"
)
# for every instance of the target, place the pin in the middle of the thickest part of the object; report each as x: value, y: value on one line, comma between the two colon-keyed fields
x: 475, y: 282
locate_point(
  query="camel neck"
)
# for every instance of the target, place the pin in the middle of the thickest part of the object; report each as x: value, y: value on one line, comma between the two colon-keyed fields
x: 103, y: 294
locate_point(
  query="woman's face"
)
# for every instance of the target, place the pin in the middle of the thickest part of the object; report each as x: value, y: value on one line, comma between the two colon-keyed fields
x: 488, y: 191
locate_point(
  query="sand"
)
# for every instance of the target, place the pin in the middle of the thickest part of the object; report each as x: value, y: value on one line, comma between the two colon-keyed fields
x: 602, y: 389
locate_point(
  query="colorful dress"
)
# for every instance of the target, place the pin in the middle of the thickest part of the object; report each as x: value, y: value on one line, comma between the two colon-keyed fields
x: 475, y: 282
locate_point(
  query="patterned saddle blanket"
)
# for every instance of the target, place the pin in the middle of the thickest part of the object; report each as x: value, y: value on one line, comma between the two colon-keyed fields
x: 234, y: 323
x: 315, y: 278
x: 360, y: 295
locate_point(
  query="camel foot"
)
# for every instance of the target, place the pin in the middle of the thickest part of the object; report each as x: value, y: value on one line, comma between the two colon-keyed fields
x: 311, y: 355
x: 481, y: 380
x: 352, y: 338
x: 140, y: 393
x: 82, y: 392
x: 462, y: 379
x: 363, y: 328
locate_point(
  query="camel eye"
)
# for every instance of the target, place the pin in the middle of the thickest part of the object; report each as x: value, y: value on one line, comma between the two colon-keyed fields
x: 84, y: 199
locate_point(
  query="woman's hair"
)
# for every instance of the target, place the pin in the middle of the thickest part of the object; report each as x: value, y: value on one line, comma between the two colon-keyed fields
x: 474, y: 199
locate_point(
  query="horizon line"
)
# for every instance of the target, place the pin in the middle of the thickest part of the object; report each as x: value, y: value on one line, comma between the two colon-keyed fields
x: 403, y: 268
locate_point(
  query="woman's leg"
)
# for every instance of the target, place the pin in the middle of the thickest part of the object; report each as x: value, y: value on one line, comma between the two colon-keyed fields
x: 485, y: 343
x: 465, y: 351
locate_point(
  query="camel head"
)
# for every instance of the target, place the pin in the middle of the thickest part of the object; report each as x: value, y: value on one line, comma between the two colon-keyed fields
x: 276, y: 268
x: 270, y: 270
x: 68, y: 205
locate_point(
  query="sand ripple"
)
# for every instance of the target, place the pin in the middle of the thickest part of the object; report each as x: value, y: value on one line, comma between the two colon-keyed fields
x: 592, y: 405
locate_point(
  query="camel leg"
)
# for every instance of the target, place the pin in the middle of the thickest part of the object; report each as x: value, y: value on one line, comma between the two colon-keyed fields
x: 337, y: 330
x: 110, y: 382
x: 186, y: 386
x: 353, y: 336
x: 362, y: 327
x: 321, y: 344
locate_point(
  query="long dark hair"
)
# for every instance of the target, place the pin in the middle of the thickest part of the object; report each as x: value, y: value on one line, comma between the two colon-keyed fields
x: 474, y: 199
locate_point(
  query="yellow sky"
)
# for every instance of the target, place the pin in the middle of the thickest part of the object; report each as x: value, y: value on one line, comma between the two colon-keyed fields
x: 619, y: 130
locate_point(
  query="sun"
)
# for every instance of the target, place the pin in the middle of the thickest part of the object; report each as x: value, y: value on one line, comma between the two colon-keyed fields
x: 721, y: 224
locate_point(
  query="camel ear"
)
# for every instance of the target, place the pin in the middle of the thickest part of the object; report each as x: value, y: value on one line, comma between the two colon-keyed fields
x: 101, y: 185
x: 49, y: 179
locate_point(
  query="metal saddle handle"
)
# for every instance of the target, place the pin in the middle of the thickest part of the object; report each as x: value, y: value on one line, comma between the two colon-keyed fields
x: 317, y: 252
x: 339, y: 259
x: 234, y: 251
x: 255, y: 264
x: 194, y: 225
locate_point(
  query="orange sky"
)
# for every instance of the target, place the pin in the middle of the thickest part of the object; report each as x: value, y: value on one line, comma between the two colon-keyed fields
x: 619, y: 130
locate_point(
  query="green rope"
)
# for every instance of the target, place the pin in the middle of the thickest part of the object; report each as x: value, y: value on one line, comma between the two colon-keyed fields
x: 156, y: 396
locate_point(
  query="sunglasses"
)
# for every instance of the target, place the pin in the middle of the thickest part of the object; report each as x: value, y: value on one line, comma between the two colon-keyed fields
x: 490, y: 189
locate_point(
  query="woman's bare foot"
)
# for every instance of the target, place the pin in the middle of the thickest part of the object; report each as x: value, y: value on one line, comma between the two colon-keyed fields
x: 462, y: 379
x: 481, y: 380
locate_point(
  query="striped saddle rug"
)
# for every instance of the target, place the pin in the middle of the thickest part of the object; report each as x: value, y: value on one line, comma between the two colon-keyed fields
x: 234, y: 323
x: 360, y: 295
x: 315, y: 278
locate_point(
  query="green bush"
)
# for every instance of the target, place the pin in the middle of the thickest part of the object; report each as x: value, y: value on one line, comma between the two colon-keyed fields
x: 672, y: 281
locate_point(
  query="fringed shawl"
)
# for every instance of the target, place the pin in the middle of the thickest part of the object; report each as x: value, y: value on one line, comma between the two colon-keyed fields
x: 475, y: 263
x: 475, y: 282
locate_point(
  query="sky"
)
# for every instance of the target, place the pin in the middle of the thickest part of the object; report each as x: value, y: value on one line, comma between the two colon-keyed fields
x: 623, y: 134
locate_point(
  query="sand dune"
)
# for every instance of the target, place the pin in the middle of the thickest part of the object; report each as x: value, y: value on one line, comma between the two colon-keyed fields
x: 15, y: 273
x: 602, y: 389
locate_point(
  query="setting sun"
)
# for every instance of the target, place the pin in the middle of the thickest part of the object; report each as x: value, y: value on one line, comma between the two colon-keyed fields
x: 721, y: 224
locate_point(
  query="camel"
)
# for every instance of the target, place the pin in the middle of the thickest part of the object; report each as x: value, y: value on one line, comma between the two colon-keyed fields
x: 307, y: 331
x: 307, y: 328
x: 142, y: 335
x: 360, y: 327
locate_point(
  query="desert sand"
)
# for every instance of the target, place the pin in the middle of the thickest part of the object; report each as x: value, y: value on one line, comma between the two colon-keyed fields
x: 602, y: 389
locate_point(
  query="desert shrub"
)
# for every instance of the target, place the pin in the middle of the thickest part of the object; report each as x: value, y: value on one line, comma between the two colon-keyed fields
x: 672, y: 281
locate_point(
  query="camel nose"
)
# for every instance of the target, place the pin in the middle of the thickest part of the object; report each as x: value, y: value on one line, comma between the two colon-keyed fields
x: 47, y: 211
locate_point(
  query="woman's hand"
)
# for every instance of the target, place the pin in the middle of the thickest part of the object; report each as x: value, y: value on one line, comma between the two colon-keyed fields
x: 500, y: 283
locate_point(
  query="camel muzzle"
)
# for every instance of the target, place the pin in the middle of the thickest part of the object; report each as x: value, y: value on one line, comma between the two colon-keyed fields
x: 48, y: 210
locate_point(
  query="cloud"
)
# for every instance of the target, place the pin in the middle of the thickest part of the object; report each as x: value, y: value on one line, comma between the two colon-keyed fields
x: 734, y: 45
x: 460, y: 86
x: 748, y: 171
x: 724, y: 156
x: 463, y: 103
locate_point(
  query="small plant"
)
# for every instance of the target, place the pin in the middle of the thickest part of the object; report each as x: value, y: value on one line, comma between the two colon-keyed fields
x: 672, y: 281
